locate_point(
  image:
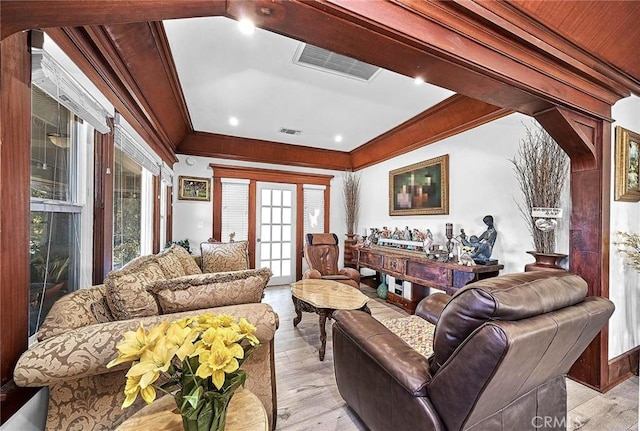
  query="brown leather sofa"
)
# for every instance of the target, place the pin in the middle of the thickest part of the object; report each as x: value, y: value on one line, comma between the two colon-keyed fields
x: 501, y: 351
x: 321, y: 252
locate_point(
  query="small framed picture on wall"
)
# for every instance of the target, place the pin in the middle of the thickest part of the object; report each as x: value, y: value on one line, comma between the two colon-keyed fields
x: 627, y: 170
x: 194, y: 188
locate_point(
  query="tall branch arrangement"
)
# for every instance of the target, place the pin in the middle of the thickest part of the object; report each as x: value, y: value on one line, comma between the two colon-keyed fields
x: 351, y: 191
x: 541, y: 170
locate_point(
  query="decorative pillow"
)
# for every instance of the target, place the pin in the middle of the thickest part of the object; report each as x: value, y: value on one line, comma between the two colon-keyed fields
x: 189, y: 264
x: 200, y: 291
x: 101, y: 311
x: 127, y: 296
x: 170, y: 263
x: 224, y: 257
x: 74, y: 310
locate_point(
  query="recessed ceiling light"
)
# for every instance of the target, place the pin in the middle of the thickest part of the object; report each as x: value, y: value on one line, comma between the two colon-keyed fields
x: 338, y: 138
x: 418, y: 81
x: 233, y: 121
x: 246, y: 26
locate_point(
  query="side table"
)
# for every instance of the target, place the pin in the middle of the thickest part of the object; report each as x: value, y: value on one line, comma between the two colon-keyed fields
x: 246, y: 413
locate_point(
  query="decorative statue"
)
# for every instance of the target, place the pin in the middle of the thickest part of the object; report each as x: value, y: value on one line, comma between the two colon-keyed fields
x: 385, y: 233
x: 428, y: 241
x: 407, y: 234
x: 417, y: 235
x: 482, y: 245
x: 397, y: 234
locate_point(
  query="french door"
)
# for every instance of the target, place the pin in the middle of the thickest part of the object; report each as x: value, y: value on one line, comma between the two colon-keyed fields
x: 275, y: 230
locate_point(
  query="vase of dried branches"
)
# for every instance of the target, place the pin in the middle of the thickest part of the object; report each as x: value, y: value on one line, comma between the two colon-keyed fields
x: 351, y: 193
x: 541, y: 169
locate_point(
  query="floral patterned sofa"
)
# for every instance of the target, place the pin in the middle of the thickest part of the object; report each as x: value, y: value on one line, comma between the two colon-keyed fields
x: 78, y: 338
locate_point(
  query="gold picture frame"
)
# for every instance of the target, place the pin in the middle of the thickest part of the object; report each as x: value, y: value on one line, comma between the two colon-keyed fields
x: 421, y: 188
x: 627, y: 169
x: 194, y: 188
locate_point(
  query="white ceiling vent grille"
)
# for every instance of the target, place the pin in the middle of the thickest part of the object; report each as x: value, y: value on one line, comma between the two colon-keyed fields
x: 290, y: 131
x: 327, y: 61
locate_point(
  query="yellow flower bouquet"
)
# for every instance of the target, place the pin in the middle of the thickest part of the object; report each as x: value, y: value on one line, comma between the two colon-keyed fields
x: 201, y: 355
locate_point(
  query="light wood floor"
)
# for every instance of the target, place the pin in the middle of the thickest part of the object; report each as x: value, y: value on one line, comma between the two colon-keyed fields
x: 308, y: 399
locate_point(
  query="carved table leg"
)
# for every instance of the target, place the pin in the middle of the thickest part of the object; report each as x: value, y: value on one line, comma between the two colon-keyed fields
x: 323, y: 313
x: 296, y: 305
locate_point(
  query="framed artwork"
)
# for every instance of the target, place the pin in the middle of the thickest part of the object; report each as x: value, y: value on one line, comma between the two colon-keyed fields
x: 194, y: 188
x: 419, y: 189
x: 627, y: 170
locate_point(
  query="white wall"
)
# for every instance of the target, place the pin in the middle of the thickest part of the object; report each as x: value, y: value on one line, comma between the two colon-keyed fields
x: 624, y: 282
x: 481, y: 182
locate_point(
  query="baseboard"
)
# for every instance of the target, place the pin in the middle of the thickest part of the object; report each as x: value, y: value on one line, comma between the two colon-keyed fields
x: 622, y: 367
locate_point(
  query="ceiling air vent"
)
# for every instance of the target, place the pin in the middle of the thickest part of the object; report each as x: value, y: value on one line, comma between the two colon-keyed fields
x: 327, y: 61
x: 290, y: 131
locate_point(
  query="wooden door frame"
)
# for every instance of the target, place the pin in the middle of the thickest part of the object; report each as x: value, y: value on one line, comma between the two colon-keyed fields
x: 270, y: 176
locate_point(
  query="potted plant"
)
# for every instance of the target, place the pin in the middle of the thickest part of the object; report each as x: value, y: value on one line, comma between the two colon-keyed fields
x: 351, y: 193
x: 541, y: 171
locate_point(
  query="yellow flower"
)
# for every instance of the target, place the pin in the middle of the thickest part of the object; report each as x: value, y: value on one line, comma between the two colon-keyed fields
x: 248, y: 330
x: 181, y: 339
x: 157, y: 332
x: 216, y: 362
x: 132, y: 388
x: 131, y: 348
x: 152, y: 363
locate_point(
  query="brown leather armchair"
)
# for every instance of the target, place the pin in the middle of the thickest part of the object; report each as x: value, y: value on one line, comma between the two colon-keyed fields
x: 321, y: 252
x: 501, y: 351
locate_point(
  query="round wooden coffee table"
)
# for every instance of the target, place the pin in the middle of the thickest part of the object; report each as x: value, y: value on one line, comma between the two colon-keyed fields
x: 323, y: 297
x: 246, y: 413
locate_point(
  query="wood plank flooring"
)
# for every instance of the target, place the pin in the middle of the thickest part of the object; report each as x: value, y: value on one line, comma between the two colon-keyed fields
x: 308, y: 399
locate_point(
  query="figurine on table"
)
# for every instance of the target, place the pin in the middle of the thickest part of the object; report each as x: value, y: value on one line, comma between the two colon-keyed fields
x: 482, y: 245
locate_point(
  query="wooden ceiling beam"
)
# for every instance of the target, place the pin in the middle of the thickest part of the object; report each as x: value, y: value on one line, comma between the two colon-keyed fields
x: 256, y: 150
x: 454, y: 115
x: 19, y: 15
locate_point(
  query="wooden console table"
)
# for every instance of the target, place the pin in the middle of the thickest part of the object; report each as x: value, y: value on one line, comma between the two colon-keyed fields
x: 422, y: 272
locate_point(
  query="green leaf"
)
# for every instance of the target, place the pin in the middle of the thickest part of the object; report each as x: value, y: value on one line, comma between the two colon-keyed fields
x: 205, y: 417
x: 193, y: 397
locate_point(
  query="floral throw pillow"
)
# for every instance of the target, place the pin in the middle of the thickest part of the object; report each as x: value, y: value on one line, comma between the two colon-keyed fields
x: 224, y: 257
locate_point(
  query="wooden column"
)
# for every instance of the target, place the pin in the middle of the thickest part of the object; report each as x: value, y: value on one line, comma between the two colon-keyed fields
x: 103, y: 205
x: 156, y: 215
x: 587, y: 141
x: 15, y: 173
x: 169, y: 213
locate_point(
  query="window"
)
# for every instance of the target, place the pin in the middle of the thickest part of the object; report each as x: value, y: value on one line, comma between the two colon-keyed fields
x: 313, y: 209
x: 55, y: 212
x: 135, y: 165
x: 127, y: 209
x: 235, y: 209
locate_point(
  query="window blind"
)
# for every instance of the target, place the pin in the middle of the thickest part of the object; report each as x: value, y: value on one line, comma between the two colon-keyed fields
x: 134, y: 146
x: 235, y: 209
x: 313, y: 208
x: 50, y: 76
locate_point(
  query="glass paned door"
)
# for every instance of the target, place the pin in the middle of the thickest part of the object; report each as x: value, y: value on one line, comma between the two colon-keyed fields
x: 275, y: 221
